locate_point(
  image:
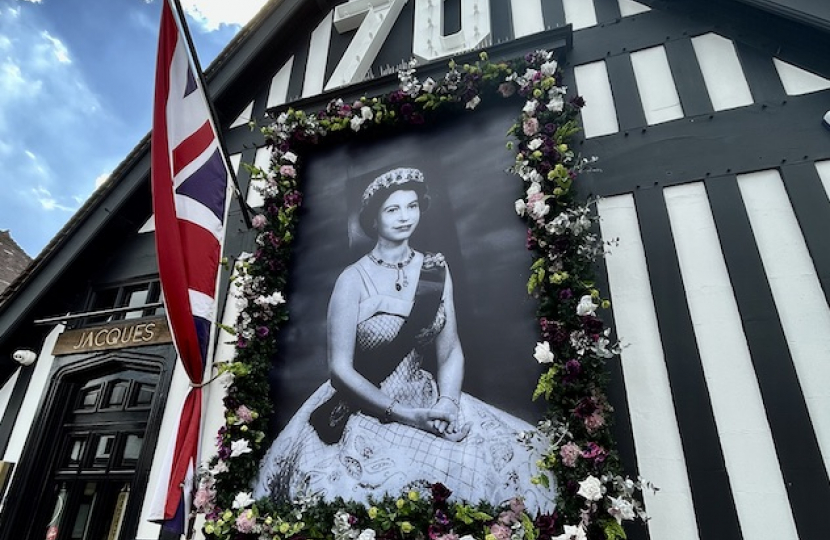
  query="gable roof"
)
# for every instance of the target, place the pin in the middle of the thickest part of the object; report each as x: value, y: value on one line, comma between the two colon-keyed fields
x: 13, y: 260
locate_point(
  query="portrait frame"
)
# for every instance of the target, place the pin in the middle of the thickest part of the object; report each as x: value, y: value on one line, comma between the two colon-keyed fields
x: 579, y: 463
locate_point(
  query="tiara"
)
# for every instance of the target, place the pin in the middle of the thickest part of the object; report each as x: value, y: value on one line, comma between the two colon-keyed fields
x: 394, y: 177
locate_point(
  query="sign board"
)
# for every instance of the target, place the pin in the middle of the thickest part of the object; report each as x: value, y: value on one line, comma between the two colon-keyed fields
x: 137, y: 333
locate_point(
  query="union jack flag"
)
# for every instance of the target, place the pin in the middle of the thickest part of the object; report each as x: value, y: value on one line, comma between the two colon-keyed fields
x: 190, y: 199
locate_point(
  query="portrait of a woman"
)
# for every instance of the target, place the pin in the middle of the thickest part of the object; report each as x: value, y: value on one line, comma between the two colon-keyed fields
x: 387, y: 420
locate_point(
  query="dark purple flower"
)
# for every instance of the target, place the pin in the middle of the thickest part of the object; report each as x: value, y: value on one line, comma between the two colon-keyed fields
x: 440, y: 493
x: 406, y: 109
x: 585, y: 407
x: 595, y: 452
x: 592, y: 324
x: 550, y: 128
x: 531, y: 242
x: 546, y: 523
x: 566, y: 294
x: 241, y: 343
x: 295, y: 198
x: 578, y: 101
x: 262, y: 331
x: 441, y: 518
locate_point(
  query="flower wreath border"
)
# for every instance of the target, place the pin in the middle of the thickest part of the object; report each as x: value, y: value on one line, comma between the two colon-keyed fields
x: 593, y: 495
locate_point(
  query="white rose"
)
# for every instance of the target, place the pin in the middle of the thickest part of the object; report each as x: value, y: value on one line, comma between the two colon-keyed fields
x: 543, y: 354
x: 621, y: 509
x: 243, y: 500
x: 290, y: 157
x: 530, y: 107
x: 556, y: 104
x: 534, y: 188
x: 521, y: 207
x: 540, y: 209
x: 367, y: 534
x: 534, y: 144
x: 366, y: 113
x: 586, y: 306
x: 572, y: 532
x: 590, y: 488
x: 549, y: 68
x: 239, y: 447
x: 429, y: 85
x: 356, y: 122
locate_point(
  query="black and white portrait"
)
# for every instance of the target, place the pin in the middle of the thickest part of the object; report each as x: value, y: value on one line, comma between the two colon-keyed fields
x: 408, y: 358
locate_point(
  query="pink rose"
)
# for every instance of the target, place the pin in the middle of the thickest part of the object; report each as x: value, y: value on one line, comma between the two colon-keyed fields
x: 507, y: 89
x: 245, y: 522
x: 288, y: 170
x: 530, y: 127
x: 244, y: 414
x: 569, y: 454
x: 500, y: 531
x: 594, y: 421
x: 203, y: 499
x: 259, y: 221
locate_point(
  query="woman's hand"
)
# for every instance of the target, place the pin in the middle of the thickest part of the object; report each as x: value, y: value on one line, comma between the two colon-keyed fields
x: 443, y: 406
x: 422, y: 418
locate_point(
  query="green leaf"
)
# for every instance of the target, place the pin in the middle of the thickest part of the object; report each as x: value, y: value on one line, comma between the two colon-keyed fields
x: 613, y: 530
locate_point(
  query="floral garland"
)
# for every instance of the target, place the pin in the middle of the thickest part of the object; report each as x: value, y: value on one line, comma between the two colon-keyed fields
x: 593, y: 497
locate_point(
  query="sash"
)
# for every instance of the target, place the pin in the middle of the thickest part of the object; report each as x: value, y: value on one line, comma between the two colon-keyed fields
x: 329, y: 419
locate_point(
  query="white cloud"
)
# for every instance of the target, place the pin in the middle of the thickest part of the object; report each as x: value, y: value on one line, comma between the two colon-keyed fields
x: 59, y: 49
x: 211, y: 14
x: 47, y: 201
x: 101, y: 179
x: 33, y: 1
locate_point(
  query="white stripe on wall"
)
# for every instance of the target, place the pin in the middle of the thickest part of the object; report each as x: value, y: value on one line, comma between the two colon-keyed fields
x: 799, y: 81
x: 823, y: 169
x: 749, y: 453
x: 6, y: 394
x: 278, y: 91
x: 805, y: 316
x: 722, y: 72
x: 630, y: 7
x: 527, y: 17
x: 655, y: 83
x: 660, y: 457
x: 318, y: 53
x: 580, y: 13
x: 244, y: 117
x: 599, y: 116
x: 262, y: 160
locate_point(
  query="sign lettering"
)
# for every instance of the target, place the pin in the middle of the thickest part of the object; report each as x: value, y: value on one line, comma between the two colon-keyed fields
x: 113, y: 336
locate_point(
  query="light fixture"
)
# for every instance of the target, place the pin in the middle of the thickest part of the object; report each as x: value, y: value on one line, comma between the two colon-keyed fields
x: 24, y: 357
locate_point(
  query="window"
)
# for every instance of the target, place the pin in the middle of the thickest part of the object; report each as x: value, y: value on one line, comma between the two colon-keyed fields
x: 133, y: 295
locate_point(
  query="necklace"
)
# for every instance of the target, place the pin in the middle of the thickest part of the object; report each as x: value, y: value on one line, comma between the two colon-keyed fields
x: 401, y: 280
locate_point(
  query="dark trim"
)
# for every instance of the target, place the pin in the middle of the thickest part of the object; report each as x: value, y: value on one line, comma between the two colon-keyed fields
x: 803, y: 11
x: 792, y: 430
x: 13, y: 406
x: 626, y: 94
x: 553, y: 14
x: 711, y: 492
x: 27, y: 494
x: 688, y: 79
x: 501, y: 22
x: 812, y: 210
x: 607, y: 11
x: 761, y: 75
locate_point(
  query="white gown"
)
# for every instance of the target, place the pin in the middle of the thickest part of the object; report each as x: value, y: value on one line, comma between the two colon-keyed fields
x: 373, y: 458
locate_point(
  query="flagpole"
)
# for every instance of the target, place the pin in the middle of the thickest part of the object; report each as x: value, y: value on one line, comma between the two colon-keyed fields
x: 246, y: 210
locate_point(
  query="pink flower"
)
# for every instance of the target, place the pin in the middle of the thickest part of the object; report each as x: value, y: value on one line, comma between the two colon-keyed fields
x: 517, y: 505
x: 245, y: 522
x: 203, y: 498
x: 508, y: 517
x: 259, y: 221
x: 244, y: 414
x: 507, y: 89
x: 500, y: 531
x: 530, y: 126
x: 594, y: 421
x: 569, y: 454
x: 288, y: 170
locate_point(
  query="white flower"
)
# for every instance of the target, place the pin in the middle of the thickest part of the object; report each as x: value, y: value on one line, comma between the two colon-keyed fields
x: 274, y: 299
x: 543, y: 354
x: 586, y: 306
x: 355, y: 123
x: 282, y: 118
x: 533, y: 189
x: 621, y: 509
x: 243, y: 499
x: 367, y: 534
x: 521, y: 207
x: 291, y: 157
x: 590, y: 488
x: 220, y: 467
x: 530, y: 107
x: 572, y: 532
x: 467, y: 537
x: 534, y: 144
x: 548, y: 68
x: 429, y: 85
x: 530, y: 73
x: 539, y: 209
x: 240, y: 447
x: 473, y: 103
x: 366, y: 113
x: 559, y: 224
x: 556, y: 104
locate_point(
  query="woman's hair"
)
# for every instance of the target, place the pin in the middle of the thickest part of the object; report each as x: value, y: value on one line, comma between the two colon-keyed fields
x: 400, y: 179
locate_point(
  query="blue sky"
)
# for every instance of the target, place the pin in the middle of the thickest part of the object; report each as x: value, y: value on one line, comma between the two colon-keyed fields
x: 76, y: 89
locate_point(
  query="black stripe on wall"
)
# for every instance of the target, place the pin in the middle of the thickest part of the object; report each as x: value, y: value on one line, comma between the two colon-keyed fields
x: 626, y: 94
x: 607, y: 11
x: 812, y: 210
x: 798, y: 453
x: 688, y: 79
x: 761, y: 75
x: 553, y: 13
x: 711, y: 492
x: 13, y: 406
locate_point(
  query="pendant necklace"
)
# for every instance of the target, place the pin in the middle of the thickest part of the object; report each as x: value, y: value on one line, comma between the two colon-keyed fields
x: 401, y: 280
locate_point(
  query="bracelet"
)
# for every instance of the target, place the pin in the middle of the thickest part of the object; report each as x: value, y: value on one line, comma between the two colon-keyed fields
x: 387, y: 414
x: 458, y: 405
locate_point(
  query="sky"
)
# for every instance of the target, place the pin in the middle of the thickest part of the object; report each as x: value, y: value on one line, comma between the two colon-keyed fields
x: 76, y: 90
